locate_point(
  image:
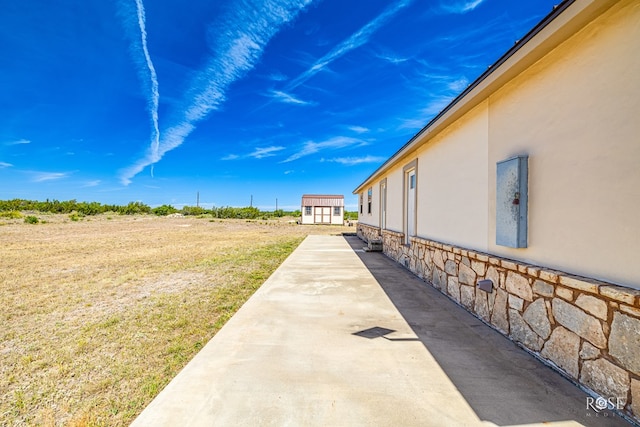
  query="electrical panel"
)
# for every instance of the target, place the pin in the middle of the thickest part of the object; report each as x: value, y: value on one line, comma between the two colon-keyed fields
x: 512, y: 202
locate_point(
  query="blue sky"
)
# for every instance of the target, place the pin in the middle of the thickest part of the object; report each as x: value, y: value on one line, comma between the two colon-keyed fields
x: 156, y: 101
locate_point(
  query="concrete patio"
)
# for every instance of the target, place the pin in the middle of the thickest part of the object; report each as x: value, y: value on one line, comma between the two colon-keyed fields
x: 342, y: 337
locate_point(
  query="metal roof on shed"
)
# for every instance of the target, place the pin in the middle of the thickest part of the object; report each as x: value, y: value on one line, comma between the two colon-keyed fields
x: 322, y: 200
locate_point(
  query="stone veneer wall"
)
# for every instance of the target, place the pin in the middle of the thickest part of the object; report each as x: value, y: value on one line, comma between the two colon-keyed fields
x: 589, y: 330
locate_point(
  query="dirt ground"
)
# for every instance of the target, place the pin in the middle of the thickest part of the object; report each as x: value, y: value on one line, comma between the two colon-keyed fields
x: 99, y: 314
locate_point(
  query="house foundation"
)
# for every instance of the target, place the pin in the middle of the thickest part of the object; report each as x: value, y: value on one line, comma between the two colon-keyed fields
x: 586, y: 329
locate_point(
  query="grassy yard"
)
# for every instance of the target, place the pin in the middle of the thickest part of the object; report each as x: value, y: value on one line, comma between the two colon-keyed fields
x: 98, y: 315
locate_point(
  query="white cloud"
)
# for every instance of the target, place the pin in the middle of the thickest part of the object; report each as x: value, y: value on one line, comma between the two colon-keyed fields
x: 18, y: 142
x: 93, y: 183
x: 277, y: 77
x: 436, y: 105
x: 238, y: 39
x: 311, y: 147
x: 351, y: 161
x: 459, y: 85
x: 358, y: 129
x: 281, y: 96
x: 433, y: 107
x: 48, y: 176
x: 438, y: 90
x: 393, y: 59
x: 260, y: 153
x: 414, y: 123
x: 359, y: 38
x: 5, y: 165
x: 461, y: 7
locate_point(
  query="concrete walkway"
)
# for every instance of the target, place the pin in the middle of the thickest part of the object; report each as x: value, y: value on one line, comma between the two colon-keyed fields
x: 340, y: 337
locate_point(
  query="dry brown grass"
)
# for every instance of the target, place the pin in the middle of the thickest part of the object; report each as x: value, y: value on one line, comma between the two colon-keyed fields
x: 97, y: 316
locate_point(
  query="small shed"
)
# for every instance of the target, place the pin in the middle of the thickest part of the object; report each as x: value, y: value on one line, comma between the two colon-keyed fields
x: 322, y: 209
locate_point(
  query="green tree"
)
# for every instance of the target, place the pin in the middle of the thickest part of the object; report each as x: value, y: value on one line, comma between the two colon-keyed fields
x: 193, y: 210
x: 164, y: 210
x: 134, y: 208
x: 350, y: 215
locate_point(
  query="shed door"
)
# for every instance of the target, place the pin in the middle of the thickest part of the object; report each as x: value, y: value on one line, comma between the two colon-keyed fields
x: 322, y: 215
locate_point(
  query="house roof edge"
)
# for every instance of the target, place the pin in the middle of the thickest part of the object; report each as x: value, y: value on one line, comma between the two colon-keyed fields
x: 467, y: 96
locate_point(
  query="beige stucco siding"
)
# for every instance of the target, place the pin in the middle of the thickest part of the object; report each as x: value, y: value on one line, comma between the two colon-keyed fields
x: 575, y: 113
x: 453, y: 183
x: 452, y: 186
x: 394, y: 200
x: 568, y: 98
x: 372, y: 218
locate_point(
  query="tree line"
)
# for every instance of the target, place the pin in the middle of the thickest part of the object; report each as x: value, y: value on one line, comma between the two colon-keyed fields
x: 133, y: 208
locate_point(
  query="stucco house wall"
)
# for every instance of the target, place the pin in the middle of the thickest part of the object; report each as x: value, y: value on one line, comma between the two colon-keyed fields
x: 394, y: 200
x: 575, y: 113
x: 572, y: 113
x: 371, y: 214
x: 568, y: 97
x: 394, y: 219
x: 453, y: 183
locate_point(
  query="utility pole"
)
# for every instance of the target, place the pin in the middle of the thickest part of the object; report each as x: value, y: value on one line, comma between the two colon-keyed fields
x: 198, y: 199
x: 251, y: 203
x: 276, y: 203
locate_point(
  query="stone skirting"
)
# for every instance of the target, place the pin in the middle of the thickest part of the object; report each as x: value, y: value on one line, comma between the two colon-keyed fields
x: 587, y: 329
x: 368, y: 232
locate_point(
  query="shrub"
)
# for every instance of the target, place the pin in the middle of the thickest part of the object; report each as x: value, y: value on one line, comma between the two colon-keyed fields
x: 11, y: 215
x: 134, y: 208
x: 193, y: 210
x: 31, y: 219
x: 164, y: 210
x: 353, y: 215
x: 75, y: 216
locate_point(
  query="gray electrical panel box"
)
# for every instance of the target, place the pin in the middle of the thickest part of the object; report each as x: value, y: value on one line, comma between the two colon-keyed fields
x: 512, y: 202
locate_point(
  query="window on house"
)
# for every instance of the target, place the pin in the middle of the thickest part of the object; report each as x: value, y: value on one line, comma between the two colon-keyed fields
x: 336, y: 211
x: 307, y: 210
x: 361, y: 202
x: 369, y: 197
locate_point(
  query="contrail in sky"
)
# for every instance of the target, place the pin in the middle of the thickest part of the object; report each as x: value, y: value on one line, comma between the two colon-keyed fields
x: 356, y: 40
x: 135, y: 28
x: 154, y: 99
x: 241, y: 36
